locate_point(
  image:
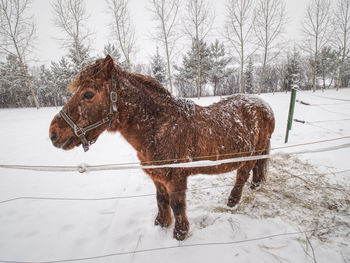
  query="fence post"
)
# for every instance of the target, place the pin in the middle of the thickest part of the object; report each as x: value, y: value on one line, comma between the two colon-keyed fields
x: 291, y: 112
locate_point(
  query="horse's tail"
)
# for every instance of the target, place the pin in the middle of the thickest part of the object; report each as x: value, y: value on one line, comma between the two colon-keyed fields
x: 260, y: 168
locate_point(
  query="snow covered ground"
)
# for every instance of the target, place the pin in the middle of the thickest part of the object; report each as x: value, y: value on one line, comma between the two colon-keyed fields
x: 303, y: 192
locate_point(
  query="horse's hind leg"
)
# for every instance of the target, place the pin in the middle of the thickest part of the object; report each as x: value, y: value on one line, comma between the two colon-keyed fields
x: 260, y: 169
x: 163, y: 201
x: 259, y: 173
x: 241, y: 179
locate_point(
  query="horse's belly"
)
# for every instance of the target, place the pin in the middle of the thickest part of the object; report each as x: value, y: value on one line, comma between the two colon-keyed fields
x: 217, y: 169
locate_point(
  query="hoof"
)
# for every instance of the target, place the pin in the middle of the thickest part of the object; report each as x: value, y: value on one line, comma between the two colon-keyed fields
x: 180, y: 234
x: 163, y: 222
x: 255, y: 186
x: 232, y: 201
x: 181, y: 230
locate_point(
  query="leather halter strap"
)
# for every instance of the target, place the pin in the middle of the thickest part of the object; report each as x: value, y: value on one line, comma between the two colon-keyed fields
x: 80, y: 132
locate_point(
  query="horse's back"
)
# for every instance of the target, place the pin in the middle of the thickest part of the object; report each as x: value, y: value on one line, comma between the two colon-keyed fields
x: 237, y: 124
x: 250, y: 105
x: 245, y: 111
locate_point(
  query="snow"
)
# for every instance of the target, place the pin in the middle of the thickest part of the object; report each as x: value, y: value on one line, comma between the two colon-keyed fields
x: 291, y: 200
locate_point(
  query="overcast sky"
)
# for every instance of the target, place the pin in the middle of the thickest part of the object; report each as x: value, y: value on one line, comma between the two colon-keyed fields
x: 48, y: 48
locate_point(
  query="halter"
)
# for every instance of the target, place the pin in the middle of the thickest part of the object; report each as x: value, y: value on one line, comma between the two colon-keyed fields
x: 81, y: 132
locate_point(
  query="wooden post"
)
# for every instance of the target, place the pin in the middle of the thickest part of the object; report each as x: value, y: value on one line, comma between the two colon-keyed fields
x: 291, y: 113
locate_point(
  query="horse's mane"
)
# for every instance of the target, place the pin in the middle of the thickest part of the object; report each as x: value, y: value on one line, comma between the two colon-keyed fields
x: 150, y: 84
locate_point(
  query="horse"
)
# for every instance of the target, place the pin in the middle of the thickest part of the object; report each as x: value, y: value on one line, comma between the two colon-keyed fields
x: 165, y: 130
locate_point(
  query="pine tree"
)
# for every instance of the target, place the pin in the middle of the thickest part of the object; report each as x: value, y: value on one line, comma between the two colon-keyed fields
x: 13, y: 84
x: 272, y: 79
x: 346, y: 72
x: 62, y: 74
x: 186, y: 76
x: 292, y: 75
x: 44, y: 84
x: 219, y: 62
x: 328, y: 65
x: 248, y: 76
x: 159, y: 68
x: 79, y: 56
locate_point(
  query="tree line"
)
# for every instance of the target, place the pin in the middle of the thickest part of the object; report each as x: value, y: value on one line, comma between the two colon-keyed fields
x: 249, y: 57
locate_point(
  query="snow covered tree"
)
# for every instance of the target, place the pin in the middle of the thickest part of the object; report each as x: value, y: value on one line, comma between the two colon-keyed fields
x: 13, y: 89
x: 248, y: 77
x: 44, y: 85
x: 293, y: 71
x: 62, y: 73
x: 122, y: 30
x: 273, y: 80
x: 188, y: 72
x: 79, y: 56
x: 231, y: 83
x: 328, y: 64
x: 17, y: 32
x: 219, y: 63
x: 158, y: 68
x: 239, y: 31
x: 317, y: 32
x: 346, y: 72
x: 3, y: 86
x: 70, y: 17
x: 166, y: 14
x: 198, y: 22
x: 270, y: 19
x: 341, y: 27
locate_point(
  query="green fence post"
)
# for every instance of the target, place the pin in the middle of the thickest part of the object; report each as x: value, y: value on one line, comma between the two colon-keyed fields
x: 291, y: 113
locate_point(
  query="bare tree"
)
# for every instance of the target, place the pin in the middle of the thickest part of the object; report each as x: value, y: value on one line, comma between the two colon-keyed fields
x: 316, y: 30
x: 341, y: 27
x: 17, y: 32
x: 270, y: 19
x: 198, y: 23
x: 122, y: 29
x: 239, y: 31
x: 70, y: 17
x: 166, y: 13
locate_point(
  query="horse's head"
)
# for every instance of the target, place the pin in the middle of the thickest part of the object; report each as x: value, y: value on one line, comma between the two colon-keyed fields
x: 91, y: 109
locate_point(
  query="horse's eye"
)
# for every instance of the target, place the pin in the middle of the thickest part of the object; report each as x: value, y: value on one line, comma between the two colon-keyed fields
x: 88, y: 95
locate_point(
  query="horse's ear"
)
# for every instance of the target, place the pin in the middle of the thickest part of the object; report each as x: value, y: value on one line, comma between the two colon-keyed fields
x: 108, y: 64
x: 108, y: 58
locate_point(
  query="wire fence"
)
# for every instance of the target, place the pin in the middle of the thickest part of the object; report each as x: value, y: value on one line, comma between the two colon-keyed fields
x: 149, y: 194
x: 182, y: 246
x: 316, y: 123
x: 166, y: 248
x: 320, y: 106
x: 198, y: 161
x: 324, y: 97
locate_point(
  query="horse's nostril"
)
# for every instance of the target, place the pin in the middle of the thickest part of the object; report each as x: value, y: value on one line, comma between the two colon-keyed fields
x: 53, y: 136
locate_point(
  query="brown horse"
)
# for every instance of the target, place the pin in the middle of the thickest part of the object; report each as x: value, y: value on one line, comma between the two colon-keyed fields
x: 166, y: 130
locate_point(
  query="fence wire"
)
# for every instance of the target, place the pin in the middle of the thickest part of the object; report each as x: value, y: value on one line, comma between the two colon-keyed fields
x: 324, y: 97
x: 180, y: 246
x: 150, y: 194
x: 178, y: 163
x: 319, y: 106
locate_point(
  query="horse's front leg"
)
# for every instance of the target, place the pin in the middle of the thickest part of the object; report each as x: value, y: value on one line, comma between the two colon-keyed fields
x: 163, y: 200
x: 177, y: 191
x: 241, y: 179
